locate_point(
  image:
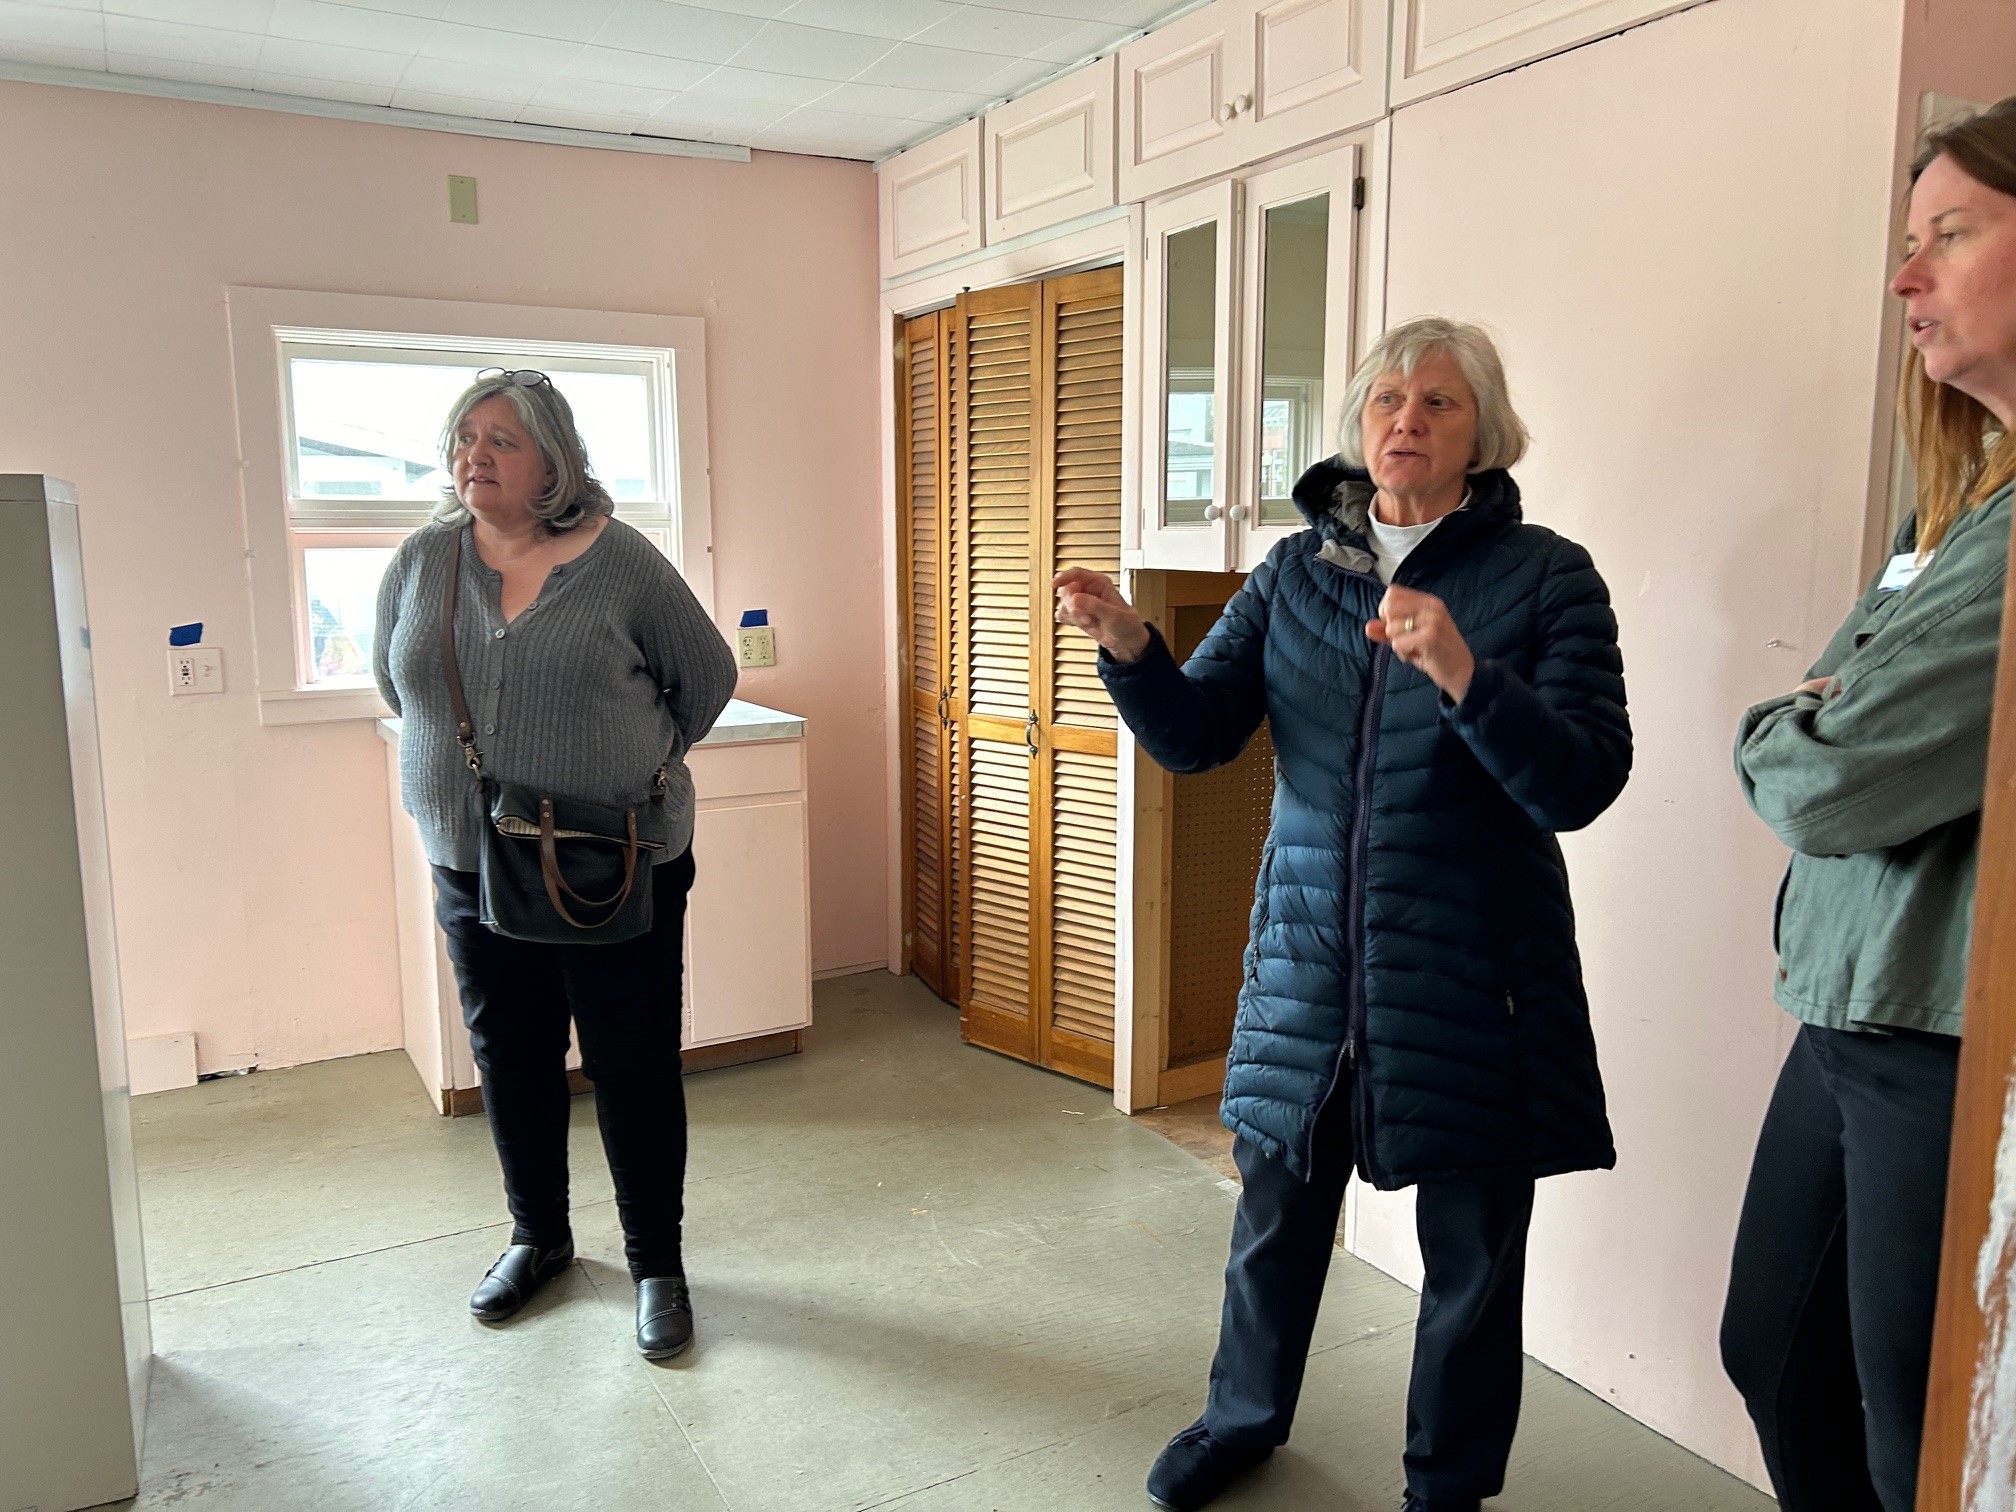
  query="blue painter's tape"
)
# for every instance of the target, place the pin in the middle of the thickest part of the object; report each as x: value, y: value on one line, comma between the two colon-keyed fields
x: 752, y: 618
x: 185, y: 635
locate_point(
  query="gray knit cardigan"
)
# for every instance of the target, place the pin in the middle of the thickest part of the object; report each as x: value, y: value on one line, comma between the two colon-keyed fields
x: 614, y: 668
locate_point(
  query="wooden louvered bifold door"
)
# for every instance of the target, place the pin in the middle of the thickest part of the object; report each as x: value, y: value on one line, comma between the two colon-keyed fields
x: 931, y: 875
x: 1033, y: 404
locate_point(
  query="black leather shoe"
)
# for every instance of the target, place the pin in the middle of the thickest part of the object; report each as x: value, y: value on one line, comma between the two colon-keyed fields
x: 1195, y: 1469
x: 1414, y: 1503
x: 664, y: 1317
x: 516, y: 1277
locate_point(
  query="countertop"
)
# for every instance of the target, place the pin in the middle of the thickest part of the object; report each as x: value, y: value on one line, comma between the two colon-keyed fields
x: 740, y: 723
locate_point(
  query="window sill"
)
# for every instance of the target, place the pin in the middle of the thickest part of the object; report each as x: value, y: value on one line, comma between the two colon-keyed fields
x: 320, y: 705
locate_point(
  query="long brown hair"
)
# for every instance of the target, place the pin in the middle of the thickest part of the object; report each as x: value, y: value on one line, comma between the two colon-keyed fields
x: 1949, y: 432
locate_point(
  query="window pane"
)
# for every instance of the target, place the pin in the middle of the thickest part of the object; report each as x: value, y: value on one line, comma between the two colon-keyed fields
x: 1190, y: 332
x: 342, y: 591
x: 366, y: 430
x: 1292, y: 322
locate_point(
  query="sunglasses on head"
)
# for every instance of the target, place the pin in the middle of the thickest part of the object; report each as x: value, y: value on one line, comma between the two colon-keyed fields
x: 523, y: 377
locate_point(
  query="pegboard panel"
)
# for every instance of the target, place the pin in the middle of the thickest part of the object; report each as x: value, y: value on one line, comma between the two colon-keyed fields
x: 1218, y: 825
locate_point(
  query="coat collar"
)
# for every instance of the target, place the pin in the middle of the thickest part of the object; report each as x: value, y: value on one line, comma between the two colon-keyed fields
x: 1336, y: 500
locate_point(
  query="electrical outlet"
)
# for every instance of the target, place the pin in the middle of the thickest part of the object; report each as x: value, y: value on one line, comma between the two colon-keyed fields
x: 195, y: 669
x: 461, y: 199
x: 756, y: 646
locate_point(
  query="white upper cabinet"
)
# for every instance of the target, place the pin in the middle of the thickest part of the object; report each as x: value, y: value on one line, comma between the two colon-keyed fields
x: 1242, y: 80
x: 1439, y: 45
x: 1248, y: 295
x: 931, y: 204
x: 1050, y: 154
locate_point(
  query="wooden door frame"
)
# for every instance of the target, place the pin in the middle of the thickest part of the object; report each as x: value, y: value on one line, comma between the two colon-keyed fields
x: 1967, y: 1342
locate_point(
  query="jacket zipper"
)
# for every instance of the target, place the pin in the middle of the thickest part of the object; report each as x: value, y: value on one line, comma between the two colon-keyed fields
x: 1354, y: 1052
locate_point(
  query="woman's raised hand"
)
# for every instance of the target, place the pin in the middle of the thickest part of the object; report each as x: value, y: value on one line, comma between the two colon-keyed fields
x: 1419, y: 629
x: 1089, y: 600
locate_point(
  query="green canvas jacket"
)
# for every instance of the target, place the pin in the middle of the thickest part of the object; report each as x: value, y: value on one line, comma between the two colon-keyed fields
x: 1878, y: 788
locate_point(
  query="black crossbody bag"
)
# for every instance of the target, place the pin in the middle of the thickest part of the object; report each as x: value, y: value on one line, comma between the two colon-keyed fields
x: 555, y: 870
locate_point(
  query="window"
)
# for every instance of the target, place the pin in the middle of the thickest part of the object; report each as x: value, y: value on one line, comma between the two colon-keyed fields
x: 353, y: 464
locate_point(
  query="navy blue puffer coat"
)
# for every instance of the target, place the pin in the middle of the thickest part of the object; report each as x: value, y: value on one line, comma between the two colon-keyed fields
x: 1412, y: 922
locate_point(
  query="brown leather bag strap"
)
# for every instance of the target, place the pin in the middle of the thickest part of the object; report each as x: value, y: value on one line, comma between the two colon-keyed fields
x: 465, y: 727
x: 556, y: 884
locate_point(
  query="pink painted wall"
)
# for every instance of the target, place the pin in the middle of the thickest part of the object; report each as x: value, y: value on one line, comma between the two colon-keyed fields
x: 252, y: 866
x: 1680, y: 236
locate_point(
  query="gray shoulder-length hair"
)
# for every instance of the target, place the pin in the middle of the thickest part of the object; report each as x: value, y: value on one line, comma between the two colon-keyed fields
x: 1501, y: 434
x: 572, y: 494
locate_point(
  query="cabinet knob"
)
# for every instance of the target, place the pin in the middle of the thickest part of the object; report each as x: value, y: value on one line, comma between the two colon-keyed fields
x: 1213, y: 512
x: 1243, y: 104
x: 1227, y: 111
x: 1236, y: 512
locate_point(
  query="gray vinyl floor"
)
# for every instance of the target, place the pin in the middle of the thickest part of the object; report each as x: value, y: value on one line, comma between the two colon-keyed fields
x: 926, y: 1278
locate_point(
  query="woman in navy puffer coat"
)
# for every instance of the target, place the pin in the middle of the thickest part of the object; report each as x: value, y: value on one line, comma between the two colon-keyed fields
x: 1445, y: 695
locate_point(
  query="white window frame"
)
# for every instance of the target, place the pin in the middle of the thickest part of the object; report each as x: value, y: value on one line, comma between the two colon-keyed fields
x: 263, y: 320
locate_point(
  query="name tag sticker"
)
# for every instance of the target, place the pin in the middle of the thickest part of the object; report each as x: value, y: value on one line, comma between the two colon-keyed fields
x: 1903, y: 569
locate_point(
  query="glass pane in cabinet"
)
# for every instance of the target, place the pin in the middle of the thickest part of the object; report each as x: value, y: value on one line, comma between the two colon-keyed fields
x: 1190, y: 381
x: 342, y: 588
x: 1295, y: 252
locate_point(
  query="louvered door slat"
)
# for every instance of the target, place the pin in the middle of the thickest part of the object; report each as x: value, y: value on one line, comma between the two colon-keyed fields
x: 1086, y: 472
x: 995, y: 446
x: 999, y: 868
x: 1084, y: 814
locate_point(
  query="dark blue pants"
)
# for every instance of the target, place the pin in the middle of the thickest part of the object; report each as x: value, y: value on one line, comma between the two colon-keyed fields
x: 1463, y: 1401
x: 1828, y: 1328
x: 624, y: 1001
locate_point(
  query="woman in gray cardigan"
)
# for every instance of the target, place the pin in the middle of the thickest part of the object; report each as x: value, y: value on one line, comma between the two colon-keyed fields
x: 587, y: 664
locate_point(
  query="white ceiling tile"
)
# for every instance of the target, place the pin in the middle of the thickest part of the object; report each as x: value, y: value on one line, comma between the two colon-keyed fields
x: 1077, y: 10
x: 894, y: 19
x: 42, y: 55
x: 767, y: 10
x: 682, y: 117
x: 48, y: 26
x: 226, y: 15
x: 842, y: 125
x: 589, y: 97
x: 456, y: 105
x: 609, y: 65
x: 474, y: 81
x: 676, y: 31
x: 918, y: 67
x: 1016, y: 76
x: 180, y: 71
x: 576, y: 120
x: 315, y: 60
x: 1014, y: 34
x: 568, y: 20
x: 1133, y: 15
x: 1078, y: 45
x: 83, y: 5
x: 324, y: 89
x: 478, y: 44
x: 185, y: 44
x: 743, y: 84
x: 811, y: 51
x: 433, y: 10
x: 904, y: 104
x: 346, y: 26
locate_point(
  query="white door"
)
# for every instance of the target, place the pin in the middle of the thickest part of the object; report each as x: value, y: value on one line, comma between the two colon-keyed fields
x: 1188, y: 356
x: 1296, y: 293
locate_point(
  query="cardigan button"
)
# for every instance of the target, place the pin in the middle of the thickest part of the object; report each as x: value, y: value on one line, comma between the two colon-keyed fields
x: 497, y: 634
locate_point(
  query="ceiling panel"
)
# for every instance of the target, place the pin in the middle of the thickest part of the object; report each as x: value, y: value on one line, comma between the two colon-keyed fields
x: 841, y: 78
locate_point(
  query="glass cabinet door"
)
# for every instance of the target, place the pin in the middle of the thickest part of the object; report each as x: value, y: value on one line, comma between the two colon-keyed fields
x: 1188, y: 292
x: 1297, y: 301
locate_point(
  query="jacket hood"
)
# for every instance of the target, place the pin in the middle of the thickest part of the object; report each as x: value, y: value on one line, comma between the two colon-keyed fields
x: 1336, y: 499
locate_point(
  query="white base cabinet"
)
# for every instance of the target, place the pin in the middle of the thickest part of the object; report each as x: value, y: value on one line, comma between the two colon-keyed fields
x: 747, y: 993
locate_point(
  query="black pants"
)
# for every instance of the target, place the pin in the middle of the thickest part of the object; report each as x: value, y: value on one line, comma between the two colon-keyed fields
x: 624, y: 1000
x: 1463, y: 1402
x: 1828, y: 1331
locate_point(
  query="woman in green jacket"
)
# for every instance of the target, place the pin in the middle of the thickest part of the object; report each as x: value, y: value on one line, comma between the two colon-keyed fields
x: 1873, y: 772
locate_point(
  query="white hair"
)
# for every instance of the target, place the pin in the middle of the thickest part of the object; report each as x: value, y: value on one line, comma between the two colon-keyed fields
x: 1501, y: 434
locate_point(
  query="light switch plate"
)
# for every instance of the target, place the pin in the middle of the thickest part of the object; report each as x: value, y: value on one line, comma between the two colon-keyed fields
x: 195, y: 669
x: 756, y: 646
x: 461, y: 199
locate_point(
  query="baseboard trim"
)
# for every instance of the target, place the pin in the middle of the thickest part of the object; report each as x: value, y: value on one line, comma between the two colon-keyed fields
x: 847, y: 971
x: 461, y: 1102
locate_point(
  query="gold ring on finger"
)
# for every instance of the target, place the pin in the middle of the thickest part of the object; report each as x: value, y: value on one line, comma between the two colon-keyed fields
x: 1407, y: 625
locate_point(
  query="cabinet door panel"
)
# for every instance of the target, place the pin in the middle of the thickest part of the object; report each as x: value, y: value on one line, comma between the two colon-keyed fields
x: 1319, y: 67
x: 1050, y: 155
x: 1439, y: 45
x: 931, y: 201
x: 1299, y: 235
x: 749, y: 969
x: 1189, y: 286
x: 1175, y: 91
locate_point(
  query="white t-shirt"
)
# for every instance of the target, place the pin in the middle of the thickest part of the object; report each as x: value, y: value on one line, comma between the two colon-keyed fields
x: 1392, y: 543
